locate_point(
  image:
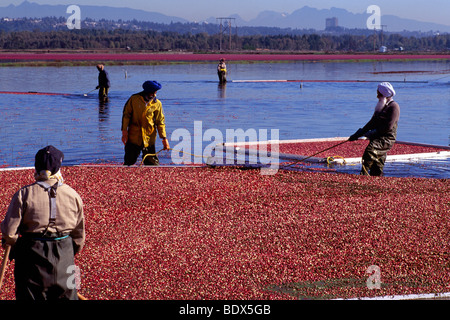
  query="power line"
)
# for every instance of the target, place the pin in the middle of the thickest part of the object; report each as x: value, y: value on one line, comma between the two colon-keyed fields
x: 224, y: 28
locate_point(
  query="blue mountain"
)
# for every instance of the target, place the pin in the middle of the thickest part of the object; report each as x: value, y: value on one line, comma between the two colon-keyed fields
x: 33, y: 10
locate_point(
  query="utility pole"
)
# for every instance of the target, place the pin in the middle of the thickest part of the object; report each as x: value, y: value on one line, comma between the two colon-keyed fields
x: 382, y: 28
x: 224, y: 27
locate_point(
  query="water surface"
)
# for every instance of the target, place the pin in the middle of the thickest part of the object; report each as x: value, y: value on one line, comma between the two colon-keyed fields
x: 89, y: 132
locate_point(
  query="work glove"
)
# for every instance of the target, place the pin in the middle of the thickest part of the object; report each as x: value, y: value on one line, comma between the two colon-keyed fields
x: 356, y: 135
x: 371, y: 134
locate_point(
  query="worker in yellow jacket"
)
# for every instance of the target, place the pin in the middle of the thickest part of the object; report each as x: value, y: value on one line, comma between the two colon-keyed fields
x: 142, y: 119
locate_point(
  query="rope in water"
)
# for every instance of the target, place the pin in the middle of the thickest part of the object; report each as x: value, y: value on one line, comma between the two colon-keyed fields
x: 306, y: 158
x: 328, y: 159
x: 36, y: 93
x: 170, y: 149
x: 331, y: 159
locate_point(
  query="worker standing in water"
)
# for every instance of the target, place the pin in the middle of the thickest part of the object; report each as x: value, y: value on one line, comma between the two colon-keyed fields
x: 103, y: 82
x: 381, y: 130
x: 222, y: 71
x: 143, y: 117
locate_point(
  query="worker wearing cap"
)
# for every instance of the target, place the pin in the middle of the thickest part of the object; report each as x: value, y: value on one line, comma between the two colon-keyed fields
x: 381, y: 130
x: 44, y: 225
x: 103, y: 82
x: 142, y: 119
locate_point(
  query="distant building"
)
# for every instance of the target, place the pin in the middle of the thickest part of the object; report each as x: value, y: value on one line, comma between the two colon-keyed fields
x: 331, y: 23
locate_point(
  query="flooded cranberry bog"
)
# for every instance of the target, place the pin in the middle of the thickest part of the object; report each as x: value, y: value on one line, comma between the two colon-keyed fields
x: 229, y: 233
x: 211, y: 232
x: 336, y: 153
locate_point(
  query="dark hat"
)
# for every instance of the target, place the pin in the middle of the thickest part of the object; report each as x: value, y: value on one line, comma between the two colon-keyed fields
x: 48, y: 158
x: 151, y: 86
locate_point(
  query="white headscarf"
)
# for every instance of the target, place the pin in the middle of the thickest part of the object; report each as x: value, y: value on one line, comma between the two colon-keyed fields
x: 386, y: 89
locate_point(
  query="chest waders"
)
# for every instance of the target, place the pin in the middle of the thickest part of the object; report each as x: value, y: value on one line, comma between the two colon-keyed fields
x: 375, y: 154
x: 43, y: 259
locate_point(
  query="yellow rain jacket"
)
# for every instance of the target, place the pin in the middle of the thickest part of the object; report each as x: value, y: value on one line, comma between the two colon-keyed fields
x: 141, y: 119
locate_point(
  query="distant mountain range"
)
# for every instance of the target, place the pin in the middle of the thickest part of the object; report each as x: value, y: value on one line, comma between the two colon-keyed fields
x: 308, y: 17
x: 33, y: 10
x: 304, y: 18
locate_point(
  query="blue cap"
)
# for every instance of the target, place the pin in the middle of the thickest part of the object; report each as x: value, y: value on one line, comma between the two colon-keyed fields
x: 151, y: 86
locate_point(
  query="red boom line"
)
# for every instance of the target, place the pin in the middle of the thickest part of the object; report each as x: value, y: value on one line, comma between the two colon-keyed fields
x: 36, y: 93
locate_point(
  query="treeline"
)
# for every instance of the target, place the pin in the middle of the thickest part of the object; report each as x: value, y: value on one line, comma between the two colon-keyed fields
x: 57, y: 24
x: 164, y: 41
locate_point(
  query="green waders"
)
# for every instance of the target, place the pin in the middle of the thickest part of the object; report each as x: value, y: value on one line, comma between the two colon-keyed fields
x: 375, y: 154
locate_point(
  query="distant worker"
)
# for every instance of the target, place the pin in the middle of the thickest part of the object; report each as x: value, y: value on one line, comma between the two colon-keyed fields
x: 44, y: 225
x: 103, y: 82
x: 142, y: 117
x: 222, y: 71
x: 381, y: 130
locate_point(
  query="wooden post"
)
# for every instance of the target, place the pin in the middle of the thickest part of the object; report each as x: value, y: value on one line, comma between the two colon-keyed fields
x: 4, y: 264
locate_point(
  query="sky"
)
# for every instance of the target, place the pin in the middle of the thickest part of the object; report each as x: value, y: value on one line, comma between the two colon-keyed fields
x: 437, y: 11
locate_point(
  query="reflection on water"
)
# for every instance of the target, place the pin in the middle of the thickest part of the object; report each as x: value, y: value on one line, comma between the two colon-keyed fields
x: 222, y: 90
x: 103, y: 105
x: 88, y: 131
